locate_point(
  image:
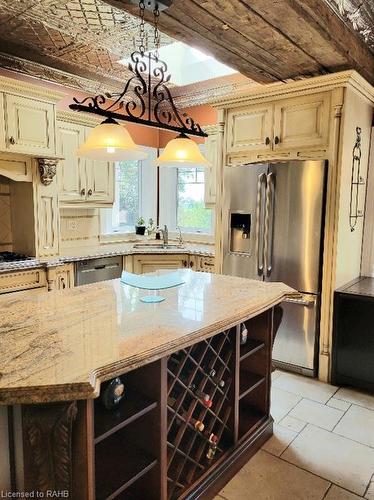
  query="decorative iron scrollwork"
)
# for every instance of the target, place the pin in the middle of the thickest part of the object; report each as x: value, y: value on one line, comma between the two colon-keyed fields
x: 145, y: 99
x: 356, y: 181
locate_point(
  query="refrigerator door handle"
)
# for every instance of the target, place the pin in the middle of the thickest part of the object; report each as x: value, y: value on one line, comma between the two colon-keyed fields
x: 269, y: 223
x: 261, y: 184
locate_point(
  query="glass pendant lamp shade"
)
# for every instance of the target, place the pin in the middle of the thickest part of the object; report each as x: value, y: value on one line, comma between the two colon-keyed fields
x: 110, y: 141
x: 182, y: 152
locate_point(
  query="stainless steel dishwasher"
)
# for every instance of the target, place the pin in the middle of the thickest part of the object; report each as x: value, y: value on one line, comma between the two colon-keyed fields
x: 93, y: 270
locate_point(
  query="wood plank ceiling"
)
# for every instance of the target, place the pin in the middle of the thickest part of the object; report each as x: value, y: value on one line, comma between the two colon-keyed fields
x: 271, y: 41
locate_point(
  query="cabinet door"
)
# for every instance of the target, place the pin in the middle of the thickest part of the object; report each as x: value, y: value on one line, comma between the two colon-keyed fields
x: 302, y: 122
x: 71, y: 175
x: 211, y: 153
x: 30, y: 126
x: 64, y: 277
x: 151, y: 263
x: 250, y: 128
x: 100, y: 179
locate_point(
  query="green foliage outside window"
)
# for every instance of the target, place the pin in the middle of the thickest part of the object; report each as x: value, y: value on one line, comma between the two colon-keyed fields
x: 127, y: 178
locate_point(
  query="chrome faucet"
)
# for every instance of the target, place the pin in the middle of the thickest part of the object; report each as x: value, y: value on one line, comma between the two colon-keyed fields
x: 165, y: 235
x: 180, y: 237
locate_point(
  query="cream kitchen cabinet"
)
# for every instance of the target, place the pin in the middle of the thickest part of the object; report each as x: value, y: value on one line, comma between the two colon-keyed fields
x: 250, y: 128
x: 211, y: 154
x: 149, y: 263
x: 29, y: 126
x: 60, y: 277
x: 204, y: 263
x: 71, y: 171
x: 280, y: 127
x: 23, y: 279
x: 302, y: 122
x: 81, y: 181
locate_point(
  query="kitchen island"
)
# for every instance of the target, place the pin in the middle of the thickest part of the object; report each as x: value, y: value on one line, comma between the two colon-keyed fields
x: 196, y: 371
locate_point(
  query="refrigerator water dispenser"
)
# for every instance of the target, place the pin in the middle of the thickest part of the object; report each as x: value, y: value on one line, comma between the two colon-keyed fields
x: 240, y: 231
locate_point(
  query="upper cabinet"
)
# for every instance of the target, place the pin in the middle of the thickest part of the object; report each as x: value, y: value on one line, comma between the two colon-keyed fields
x: 250, y: 128
x: 30, y: 126
x: 27, y: 118
x: 71, y: 170
x: 81, y: 182
x: 302, y: 122
x: 285, y: 127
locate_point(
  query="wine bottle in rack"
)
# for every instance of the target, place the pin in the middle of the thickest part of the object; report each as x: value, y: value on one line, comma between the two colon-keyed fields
x: 243, y: 334
x: 212, y: 374
x: 202, y: 396
x: 197, y: 424
x: 213, y: 444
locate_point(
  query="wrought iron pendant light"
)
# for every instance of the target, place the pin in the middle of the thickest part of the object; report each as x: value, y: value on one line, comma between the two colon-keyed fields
x: 145, y: 100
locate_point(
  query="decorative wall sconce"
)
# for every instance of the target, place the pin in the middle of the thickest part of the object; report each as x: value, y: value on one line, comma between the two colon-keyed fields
x: 357, y: 181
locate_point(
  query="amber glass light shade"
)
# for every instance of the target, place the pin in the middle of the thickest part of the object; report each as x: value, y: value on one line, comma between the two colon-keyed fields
x: 182, y: 152
x: 110, y: 141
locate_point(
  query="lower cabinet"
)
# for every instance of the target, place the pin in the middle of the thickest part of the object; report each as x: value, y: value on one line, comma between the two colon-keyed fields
x: 148, y: 263
x: 17, y: 281
x: 60, y: 277
x: 153, y: 262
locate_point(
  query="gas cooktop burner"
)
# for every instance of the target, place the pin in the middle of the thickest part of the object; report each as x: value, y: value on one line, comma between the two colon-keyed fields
x: 13, y: 257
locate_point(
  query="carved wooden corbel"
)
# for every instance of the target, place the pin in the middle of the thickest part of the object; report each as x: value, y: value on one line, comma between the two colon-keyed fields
x: 47, y: 169
x: 47, y: 444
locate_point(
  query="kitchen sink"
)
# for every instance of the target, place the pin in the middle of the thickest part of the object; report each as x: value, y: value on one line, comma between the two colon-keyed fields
x: 158, y: 246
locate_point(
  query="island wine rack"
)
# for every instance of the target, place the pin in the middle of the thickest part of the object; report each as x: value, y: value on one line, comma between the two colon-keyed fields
x: 188, y: 422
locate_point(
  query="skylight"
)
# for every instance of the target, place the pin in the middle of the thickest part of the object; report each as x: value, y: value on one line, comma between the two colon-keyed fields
x: 188, y: 65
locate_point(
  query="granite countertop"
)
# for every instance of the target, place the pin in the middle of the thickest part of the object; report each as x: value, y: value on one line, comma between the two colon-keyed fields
x: 84, y: 253
x: 60, y: 346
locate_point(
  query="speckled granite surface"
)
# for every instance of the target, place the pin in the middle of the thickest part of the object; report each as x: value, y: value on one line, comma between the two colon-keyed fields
x: 60, y: 346
x: 105, y: 251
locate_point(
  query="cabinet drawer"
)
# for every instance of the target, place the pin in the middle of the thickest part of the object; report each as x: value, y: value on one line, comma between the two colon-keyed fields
x: 205, y: 264
x: 22, y: 280
x: 250, y: 128
x: 30, y: 126
x: 302, y: 122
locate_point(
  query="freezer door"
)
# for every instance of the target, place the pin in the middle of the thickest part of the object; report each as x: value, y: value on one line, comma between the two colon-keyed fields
x: 243, y: 220
x: 294, y: 346
x: 294, y: 222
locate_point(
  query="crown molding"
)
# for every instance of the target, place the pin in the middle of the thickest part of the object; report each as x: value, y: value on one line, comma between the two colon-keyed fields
x: 210, y: 129
x: 78, y: 118
x: 14, y: 86
x: 348, y: 78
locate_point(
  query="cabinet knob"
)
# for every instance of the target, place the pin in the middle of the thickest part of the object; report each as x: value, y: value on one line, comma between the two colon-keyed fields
x: 276, y: 140
x: 12, y: 140
x: 83, y: 192
x: 89, y: 192
x: 185, y: 263
x: 267, y: 141
x: 191, y: 263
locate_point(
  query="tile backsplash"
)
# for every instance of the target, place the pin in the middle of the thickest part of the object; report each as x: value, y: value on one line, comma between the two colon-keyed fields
x: 5, y: 217
x: 79, y: 227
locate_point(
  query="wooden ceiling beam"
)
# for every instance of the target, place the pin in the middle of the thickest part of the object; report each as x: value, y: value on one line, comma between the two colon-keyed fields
x: 266, y: 41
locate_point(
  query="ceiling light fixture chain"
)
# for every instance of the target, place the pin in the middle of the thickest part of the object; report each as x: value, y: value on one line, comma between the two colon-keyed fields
x: 157, y: 33
x: 142, y: 33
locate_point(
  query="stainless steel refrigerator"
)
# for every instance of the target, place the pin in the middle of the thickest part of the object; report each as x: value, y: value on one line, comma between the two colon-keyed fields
x: 273, y: 220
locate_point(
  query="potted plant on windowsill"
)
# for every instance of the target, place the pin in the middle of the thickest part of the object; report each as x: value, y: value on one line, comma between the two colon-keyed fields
x: 140, y: 227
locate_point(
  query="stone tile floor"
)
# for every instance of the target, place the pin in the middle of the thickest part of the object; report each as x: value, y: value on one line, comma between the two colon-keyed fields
x: 322, y: 447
